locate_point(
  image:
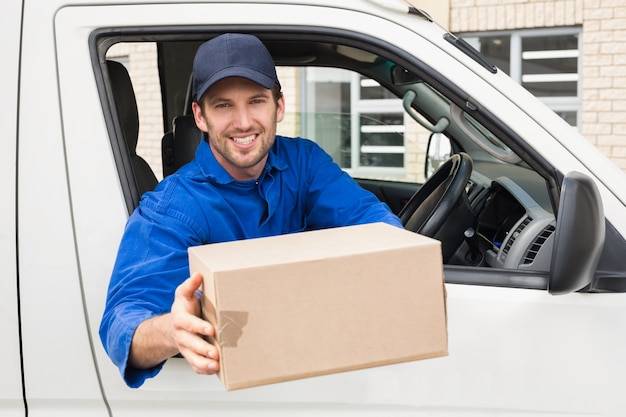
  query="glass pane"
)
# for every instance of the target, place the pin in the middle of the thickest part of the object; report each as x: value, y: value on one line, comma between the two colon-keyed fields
x: 550, y: 43
x: 327, y: 120
x: 371, y: 90
x: 332, y: 131
x: 552, y: 88
x: 387, y: 119
x: 547, y: 65
x: 382, y: 160
x: 382, y: 138
x: 550, y: 65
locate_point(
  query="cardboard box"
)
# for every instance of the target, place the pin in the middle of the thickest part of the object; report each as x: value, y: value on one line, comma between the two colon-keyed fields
x: 320, y: 302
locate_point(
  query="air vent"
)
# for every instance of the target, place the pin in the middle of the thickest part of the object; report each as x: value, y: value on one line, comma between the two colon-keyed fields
x: 516, y: 233
x: 534, y: 249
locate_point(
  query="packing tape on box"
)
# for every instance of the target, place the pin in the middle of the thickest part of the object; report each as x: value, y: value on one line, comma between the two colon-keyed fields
x: 229, y: 325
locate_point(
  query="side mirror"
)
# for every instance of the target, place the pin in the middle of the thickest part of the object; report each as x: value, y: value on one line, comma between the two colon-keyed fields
x: 438, y: 151
x: 579, y: 236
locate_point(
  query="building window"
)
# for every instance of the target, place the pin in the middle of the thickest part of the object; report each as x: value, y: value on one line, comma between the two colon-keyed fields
x: 547, y: 62
x: 359, y: 122
x: 379, y: 141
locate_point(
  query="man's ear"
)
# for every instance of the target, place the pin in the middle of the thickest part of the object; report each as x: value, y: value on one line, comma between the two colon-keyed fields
x: 198, y: 116
x: 280, y: 108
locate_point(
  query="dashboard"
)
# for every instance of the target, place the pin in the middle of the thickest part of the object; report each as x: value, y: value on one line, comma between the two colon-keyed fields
x: 514, y: 225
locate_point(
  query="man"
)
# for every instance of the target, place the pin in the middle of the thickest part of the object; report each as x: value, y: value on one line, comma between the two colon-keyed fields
x: 245, y: 182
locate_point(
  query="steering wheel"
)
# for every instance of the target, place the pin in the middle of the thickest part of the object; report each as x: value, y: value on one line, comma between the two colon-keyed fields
x: 440, y: 207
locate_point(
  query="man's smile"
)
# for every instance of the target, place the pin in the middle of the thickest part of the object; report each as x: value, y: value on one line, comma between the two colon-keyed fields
x: 246, y: 140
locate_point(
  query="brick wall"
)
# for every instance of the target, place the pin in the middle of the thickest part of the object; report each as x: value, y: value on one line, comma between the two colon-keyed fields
x: 290, y: 82
x: 603, y: 25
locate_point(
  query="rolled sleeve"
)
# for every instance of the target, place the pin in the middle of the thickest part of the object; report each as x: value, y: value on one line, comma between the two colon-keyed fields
x: 152, y: 261
x: 116, y: 331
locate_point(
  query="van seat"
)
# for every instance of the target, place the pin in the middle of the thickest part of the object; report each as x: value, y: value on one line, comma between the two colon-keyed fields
x: 179, y: 146
x: 128, y: 115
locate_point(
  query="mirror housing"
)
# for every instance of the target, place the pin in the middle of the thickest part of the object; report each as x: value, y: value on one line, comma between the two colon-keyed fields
x: 438, y: 151
x: 579, y: 236
x: 402, y: 76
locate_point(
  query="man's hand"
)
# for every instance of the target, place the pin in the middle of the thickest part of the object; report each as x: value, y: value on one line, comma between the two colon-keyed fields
x: 190, y: 329
x: 180, y: 331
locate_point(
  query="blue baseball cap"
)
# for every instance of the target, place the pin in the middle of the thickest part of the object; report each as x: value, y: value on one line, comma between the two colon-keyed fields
x: 232, y: 55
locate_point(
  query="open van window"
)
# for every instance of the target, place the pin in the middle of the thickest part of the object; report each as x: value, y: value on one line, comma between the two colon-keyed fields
x: 348, y: 100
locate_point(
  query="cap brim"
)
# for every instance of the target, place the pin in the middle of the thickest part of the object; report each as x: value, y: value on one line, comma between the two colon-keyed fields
x: 247, y: 73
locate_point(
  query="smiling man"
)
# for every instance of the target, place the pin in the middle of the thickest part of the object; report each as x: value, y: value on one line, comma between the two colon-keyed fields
x: 240, y: 119
x: 245, y: 182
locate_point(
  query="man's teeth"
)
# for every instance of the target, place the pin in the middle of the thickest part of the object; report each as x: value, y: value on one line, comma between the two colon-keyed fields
x: 244, y: 141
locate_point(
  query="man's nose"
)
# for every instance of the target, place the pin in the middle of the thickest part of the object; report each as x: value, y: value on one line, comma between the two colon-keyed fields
x: 242, y: 119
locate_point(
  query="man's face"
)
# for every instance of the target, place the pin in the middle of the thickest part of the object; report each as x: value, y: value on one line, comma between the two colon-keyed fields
x: 240, y: 118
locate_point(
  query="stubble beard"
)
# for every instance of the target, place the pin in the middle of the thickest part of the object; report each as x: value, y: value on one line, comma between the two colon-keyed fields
x: 244, y: 158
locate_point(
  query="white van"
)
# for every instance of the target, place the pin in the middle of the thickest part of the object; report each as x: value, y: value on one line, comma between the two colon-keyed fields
x: 533, y: 227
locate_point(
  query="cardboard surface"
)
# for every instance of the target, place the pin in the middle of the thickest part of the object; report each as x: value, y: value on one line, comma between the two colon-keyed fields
x: 320, y: 302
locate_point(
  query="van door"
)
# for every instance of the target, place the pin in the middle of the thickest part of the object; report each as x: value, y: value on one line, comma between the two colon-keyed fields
x: 57, y: 360
x: 11, y: 398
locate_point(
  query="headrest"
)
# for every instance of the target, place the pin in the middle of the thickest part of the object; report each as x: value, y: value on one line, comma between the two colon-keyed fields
x: 125, y: 103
